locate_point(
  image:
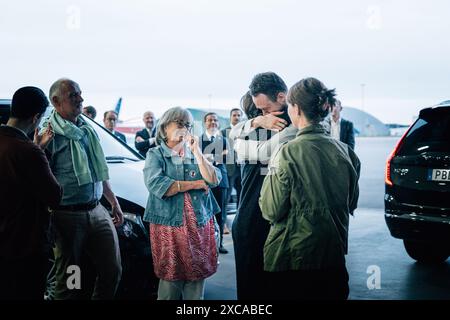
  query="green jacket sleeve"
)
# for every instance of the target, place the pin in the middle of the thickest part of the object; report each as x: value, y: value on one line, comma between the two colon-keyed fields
x: 354, y: 192
x: 275, y: 193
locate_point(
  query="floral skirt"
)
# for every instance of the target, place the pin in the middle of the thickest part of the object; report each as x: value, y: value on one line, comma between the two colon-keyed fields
x: 187, y: 252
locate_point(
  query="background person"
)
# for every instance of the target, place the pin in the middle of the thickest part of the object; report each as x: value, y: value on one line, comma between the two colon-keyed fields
x: 145, y: 138
x: 110, y: 119
x: 232, y: 165
x: 90, y: 112
x: 213, y: 144
x: 341, y: 129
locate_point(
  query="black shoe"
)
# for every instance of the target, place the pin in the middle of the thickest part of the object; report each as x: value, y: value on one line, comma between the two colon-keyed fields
x: 222, y: 250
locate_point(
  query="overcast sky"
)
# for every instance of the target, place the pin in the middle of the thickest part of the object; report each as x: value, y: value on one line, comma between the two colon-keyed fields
x: 157, y: 54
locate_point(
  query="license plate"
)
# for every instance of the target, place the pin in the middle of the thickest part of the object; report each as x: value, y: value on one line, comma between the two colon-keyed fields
x: 439, y: 174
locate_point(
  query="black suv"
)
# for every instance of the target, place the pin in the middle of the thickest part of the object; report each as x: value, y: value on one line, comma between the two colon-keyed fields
x: 127, y: 180
x: 417, y: 199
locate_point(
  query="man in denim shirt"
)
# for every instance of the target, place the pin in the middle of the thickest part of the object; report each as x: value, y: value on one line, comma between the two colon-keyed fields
x: 82, y: 225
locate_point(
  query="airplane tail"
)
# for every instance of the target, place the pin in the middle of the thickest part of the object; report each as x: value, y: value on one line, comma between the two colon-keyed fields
x: 118, y: 105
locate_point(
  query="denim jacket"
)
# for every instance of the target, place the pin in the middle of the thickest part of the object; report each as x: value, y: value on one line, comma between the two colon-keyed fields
x: 162, y: 169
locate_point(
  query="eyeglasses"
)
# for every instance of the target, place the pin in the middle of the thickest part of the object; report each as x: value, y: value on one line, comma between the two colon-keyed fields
x: 182, y: 124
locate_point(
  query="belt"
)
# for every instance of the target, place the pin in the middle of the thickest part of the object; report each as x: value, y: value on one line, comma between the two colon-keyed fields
x: 79, y: 207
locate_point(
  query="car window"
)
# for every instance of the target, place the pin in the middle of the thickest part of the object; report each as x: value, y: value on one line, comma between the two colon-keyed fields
x: 430, y: 133
x: 4, y: 111
x: 112, y: 148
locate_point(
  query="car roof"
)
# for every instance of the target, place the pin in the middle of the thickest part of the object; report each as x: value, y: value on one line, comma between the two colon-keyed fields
x: 5, y: 102
x: 441, y: 108
x: 445, y: 103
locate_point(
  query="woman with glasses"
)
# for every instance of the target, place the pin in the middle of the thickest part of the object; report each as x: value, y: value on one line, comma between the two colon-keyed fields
x: 180, y: 209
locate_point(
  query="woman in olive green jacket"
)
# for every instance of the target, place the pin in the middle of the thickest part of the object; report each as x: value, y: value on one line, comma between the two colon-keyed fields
x: 307, y: 197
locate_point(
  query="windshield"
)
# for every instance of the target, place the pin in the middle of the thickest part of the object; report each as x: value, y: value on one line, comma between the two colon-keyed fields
x: 112, y: 147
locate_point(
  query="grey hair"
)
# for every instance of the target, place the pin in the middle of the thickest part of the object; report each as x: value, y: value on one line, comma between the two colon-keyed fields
x: 171, y: 115
x: 55, y: 89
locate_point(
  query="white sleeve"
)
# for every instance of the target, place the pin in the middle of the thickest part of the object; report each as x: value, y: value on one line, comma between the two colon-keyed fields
x: 253, y: 150
x: 241, y: 130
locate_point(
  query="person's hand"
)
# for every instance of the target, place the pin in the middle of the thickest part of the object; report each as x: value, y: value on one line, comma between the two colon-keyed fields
x: 139, y: 139
x: 201, y: 184
x: 194, y: 144
x: 270, y: 121
x: 117, y: 215
x: 44, y: 139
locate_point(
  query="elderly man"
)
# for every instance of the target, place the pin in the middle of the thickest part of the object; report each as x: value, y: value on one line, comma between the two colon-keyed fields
x: 145, y: 139
x: 110, y: 121
x: 27, y: 188
x: 82, y: 225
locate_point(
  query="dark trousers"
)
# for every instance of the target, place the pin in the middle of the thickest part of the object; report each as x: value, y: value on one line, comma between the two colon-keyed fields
x: 234, y: 181
x: 331, y: 284
x: 221, y: 196
x: 23, y: 279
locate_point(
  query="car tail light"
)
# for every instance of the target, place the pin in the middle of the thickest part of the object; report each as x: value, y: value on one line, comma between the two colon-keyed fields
x: 387, y: 176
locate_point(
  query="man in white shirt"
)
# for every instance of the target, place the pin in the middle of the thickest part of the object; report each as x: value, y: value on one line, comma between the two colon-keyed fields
x: 341, y: 129
x: 214, y: 146
x: 233, y: 168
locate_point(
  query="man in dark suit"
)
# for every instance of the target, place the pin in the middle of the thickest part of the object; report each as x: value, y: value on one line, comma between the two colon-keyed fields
x: 146, y: 138
x: 233, y: 168
x: 214, y: 146
x: 341, y: 129
x: 110, y: 120
x: 27, y: 189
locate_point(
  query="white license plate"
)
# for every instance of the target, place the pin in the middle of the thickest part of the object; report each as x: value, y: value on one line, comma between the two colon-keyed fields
x: 439, y: 174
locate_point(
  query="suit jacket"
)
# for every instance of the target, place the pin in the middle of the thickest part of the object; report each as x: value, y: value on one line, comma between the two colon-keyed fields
x: 120, y: 135
x: 347, y: 134
x: 231, y: 165
x: 143, y: 146
x: 216, y: 148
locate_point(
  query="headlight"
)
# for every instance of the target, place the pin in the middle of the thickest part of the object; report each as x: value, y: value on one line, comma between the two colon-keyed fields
x: 132, y: 217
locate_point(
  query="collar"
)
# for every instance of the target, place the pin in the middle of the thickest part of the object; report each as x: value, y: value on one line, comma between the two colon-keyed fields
x: 169, y: 153
x: 333, y: 122
x: 211, y: 135
x: 312, y: 129
x: 14, y: 132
